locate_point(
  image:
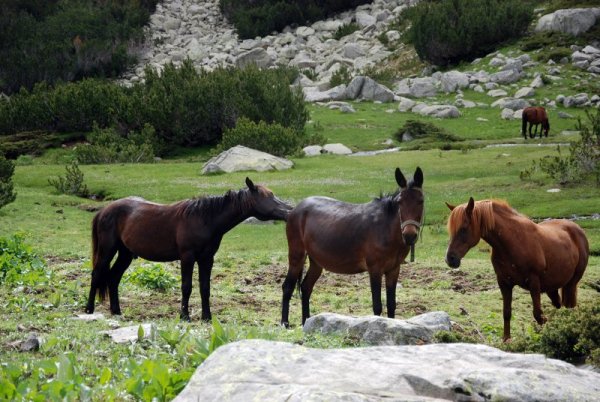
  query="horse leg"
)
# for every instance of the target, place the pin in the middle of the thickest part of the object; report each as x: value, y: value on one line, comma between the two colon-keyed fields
x: 506, y: 290
x: 105, y: 250
x: 391, y: 279
x: 313, y: 273
x: 534, y: 290
x: 375, y: 279
x: 187, y: 269
x: 530, y: 128
x: 554, y: 297
x: 296, y: 265
x: 116, y: 273
x: 204, y: 271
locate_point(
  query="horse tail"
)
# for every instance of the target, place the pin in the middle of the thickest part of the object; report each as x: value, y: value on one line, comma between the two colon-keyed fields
x: 524, y: 124
x: 100, y: 272
x: 569, y: 291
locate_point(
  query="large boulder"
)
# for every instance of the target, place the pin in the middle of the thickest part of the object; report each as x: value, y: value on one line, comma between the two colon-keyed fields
x: 379, y: 331
x: 572, y: 21
x: 511, y: 103
x: 422, y: 87
x: 453, y: 80
x: 367, y: 88
x: 506, y: 76
x: 258, y: 56
x: 252, y: 370
x: 241, y: 158
x: 440, y: 111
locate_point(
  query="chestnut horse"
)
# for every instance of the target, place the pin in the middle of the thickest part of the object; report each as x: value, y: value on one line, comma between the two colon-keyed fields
x: 351, y: 238
x: 541, y: 258
x: 535, y: 116
x: 189, y: 231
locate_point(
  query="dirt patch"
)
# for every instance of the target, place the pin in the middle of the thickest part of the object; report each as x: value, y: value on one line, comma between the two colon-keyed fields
x: 459, y: 280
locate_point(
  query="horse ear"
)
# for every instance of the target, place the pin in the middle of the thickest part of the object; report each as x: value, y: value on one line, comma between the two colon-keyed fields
x: 470, y: 207
x: 400, y: 179
x: 418, y: 177
x: 450, y: 207
x: 250, y: 185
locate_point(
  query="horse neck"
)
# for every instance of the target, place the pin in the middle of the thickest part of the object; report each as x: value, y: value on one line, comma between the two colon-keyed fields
x: 228, y: 214
x: 505, y: 221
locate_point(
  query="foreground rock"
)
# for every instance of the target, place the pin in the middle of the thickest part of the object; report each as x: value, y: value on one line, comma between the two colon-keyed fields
x: 380, y: 331
x: 240, y: 158
x: 276, y: 371
x: 131, y: 333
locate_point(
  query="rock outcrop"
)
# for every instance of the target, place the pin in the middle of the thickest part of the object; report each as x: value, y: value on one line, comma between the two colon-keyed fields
x: 241, y: 158
x: 276, y: 371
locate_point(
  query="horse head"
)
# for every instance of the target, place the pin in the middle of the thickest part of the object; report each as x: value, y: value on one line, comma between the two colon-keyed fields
x: 411, y: 202
x: 265, y: 205
x: 464, y: 234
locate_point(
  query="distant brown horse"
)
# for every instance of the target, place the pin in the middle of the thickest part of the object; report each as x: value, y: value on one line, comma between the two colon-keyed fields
x: 535, y: 116
x: 190, y: 231
x: 351, y: 238
x: 541, y: 258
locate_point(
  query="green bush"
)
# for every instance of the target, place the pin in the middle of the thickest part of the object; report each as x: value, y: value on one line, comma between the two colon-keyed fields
x: 583, y: 160
x: 426, y: 131
x: 259, y: 18
x: 573, y: 334
x: 340, y: 76
x: 72, y: 183
x: 272, y: 138
x: 65, y: 40
x: 19, y: 265
x: 7, y: 169
x: 555, y: 54
x: 345, y: 30
x: 153, y: 276
x: 107, y: 146
x: 449, y: 31
x: 185, y: 107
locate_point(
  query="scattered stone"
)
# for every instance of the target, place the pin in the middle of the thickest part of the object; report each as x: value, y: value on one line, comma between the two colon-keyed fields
x: 405, y: 104
x: 375, y: 330
x: 481, y: 119
x: 564, y: 115
x: 30, y: 344
x: 277, y: 371
x: 496, y: 93
x: 240, y: 158
x: 511, y: 103
x: 312, y: 150
x: 553, y: 190
x: 525, y: 92
x: 130, y: 334
x: 507, y: 114
x: 347, y: 109
x: 90, y: 317
x: 336, y: 149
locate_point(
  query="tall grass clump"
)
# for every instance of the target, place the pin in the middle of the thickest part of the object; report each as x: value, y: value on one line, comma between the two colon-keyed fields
x: 449, y: 31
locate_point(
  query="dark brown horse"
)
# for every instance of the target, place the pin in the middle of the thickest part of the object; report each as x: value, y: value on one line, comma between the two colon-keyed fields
x: 352, y: 238
x: 190, y: 231
x: 541, y: 258
x: 535, y: 116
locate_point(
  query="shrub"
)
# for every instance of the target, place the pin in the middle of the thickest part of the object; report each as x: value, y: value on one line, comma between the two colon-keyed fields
x: 260, y: 18
x: 19, y: 265
x: 555, y: 54
x: 72, y: 182
x: 573, y: 334
x: 65, y: 40
x: 7, y: 169
x: 107, y: 146
x: 345, y: 30
x: 449, y: 31
x: 272, y: 138
x: 340, y: 76
x: 583, y: 161
x: 422, y: 130
x: 153, y: 276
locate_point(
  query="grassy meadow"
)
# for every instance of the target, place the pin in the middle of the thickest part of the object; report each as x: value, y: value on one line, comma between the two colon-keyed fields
x: 252, y: 261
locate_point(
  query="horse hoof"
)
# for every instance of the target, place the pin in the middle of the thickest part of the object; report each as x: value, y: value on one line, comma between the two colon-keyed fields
x: 185, y: 318
x: 89, y: 310
x: 285, y: 325
x: 116, y: 312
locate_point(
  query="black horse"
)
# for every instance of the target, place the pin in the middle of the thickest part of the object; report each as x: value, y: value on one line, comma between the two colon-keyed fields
x: 189, y: 230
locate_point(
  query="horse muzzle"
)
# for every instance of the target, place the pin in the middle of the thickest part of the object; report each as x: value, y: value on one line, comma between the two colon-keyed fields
x: 452, y: 260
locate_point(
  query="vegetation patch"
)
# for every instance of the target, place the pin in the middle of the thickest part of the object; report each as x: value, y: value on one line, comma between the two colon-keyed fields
x: 424, y: 131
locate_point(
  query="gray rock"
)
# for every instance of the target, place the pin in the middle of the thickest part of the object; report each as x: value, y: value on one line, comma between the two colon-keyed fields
x: 537, y: 82
x: 405, y: 104
x: 511, y: 103
x: 347, y: 109
x: 506, y: 76
x: 507, y: 114
x: 354, y: 88
x: 336, y: 149
x: 495, y: 93
x: 130, y: 334
x: 371, y: 90
x: 375, y: 330
x: 364, y: 19
x: 564, y: 115
x: 580, y: 56
x: 573, y: 21
x: 312, y: 150
x: 453, y: 80
x: 258, y: 56
x: 583, y: 64
x: 240, y: 158
x: 478, y: 88
x: 440, y: 111
x: 525, y: 92
x: 591, y: 50
x: 422, y: 87
x: 90, y: 317
x: 352, y: 50
x: 276, y: 371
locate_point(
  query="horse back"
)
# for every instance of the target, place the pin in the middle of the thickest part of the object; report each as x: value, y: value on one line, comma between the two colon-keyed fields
x: 566, y: 245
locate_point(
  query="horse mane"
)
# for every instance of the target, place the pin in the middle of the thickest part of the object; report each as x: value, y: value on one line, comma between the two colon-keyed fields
x: 208, y: 206
x: 483, y: 218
